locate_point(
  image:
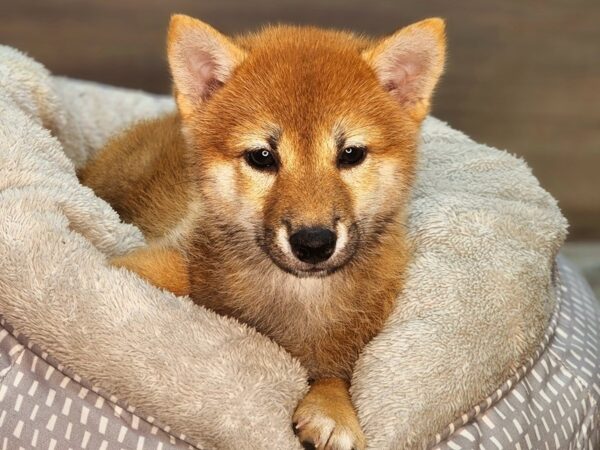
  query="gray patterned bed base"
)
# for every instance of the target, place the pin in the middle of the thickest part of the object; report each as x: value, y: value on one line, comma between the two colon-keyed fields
x: 551, y: 403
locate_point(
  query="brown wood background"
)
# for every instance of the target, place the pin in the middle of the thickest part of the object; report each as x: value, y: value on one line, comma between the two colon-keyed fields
x: 522, y: 75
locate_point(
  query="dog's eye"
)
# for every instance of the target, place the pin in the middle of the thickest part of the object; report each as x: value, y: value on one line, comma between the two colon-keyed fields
x: 351, y: 156
x: 261, y: 159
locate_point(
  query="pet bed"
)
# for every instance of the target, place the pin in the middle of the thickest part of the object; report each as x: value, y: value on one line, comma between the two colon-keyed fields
x: 479, y: 351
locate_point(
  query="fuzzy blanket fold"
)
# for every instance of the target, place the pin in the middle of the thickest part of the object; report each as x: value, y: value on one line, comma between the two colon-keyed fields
x: 476, y: 304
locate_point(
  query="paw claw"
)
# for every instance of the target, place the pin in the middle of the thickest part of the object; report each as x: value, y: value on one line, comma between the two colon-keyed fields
x: 326, y: 420
x: 308, y: 445
x: 320, y: 432
x: 301, y: 423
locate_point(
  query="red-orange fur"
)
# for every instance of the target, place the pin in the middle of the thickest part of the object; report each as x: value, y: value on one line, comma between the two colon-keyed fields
x: 307, y: 82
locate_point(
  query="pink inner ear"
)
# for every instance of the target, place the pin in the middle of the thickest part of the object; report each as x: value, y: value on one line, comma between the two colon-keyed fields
x: 202, y: 65
x: 403, y: 77
x: 202, y: 69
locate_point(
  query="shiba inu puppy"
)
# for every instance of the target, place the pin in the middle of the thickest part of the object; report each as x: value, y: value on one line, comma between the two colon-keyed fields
x: 276, y: 193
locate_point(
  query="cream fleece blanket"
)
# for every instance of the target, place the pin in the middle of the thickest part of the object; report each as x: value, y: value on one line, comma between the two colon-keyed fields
x: 477, y: 300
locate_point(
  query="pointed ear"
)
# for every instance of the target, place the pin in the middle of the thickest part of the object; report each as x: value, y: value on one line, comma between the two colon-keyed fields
x: 201, y: 60
x: 410, y: 62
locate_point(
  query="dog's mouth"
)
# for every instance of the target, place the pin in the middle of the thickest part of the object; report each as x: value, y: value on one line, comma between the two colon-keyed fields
x: 306, y: 271
x: 313, y: 272
x: 274, y: 244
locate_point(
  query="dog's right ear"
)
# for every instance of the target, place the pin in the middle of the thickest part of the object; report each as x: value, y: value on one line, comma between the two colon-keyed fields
x: 201, y: 60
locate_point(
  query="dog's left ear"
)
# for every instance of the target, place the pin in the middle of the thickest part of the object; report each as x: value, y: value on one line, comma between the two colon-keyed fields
x: 410, y: 62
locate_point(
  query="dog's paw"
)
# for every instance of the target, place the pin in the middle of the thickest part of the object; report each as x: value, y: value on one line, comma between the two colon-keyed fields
x: 321, y: 427
x: 161, y: 266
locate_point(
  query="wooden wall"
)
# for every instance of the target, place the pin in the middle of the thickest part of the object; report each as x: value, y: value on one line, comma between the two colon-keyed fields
x: 522, y: 76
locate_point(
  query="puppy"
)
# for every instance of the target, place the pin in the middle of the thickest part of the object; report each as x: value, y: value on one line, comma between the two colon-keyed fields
x: 276, y: 194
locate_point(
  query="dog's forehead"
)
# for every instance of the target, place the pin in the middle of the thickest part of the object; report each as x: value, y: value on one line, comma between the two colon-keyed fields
x: 305, y: 59
x: 309, y: 91
x: 312, y: 90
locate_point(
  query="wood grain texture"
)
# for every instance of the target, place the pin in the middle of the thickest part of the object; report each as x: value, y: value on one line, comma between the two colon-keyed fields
x: 522, y: 76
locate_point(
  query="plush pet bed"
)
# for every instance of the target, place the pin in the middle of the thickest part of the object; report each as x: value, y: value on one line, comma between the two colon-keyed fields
x: 94, y: 357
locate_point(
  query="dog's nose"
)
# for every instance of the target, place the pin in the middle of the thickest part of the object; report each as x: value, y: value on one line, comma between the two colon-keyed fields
x: 313, y: 245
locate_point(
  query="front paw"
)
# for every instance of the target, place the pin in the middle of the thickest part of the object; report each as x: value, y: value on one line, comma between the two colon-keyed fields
x: 164, y: 267
x: 326, y: 420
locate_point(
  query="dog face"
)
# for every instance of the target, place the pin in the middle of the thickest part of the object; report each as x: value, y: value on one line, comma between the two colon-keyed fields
x: 303, y: 140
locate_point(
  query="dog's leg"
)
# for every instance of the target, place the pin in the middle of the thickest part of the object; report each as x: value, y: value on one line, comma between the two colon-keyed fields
x: 325, y: 418
x: 164, y: 267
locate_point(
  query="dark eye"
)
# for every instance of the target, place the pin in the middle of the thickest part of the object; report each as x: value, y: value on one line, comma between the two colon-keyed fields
x: 351, y: 156
x: 261, y: 159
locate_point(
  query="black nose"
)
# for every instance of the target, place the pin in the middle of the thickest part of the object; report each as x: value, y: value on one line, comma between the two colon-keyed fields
x: 313, y: 245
